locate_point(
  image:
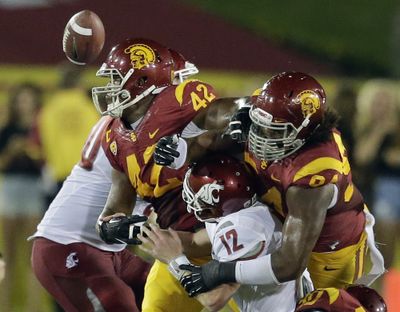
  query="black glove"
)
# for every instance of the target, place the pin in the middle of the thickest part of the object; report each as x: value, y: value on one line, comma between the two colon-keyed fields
x: 239, y: 125
x: 121, y: 230
x: 206, y: 277
x: 165, y: 152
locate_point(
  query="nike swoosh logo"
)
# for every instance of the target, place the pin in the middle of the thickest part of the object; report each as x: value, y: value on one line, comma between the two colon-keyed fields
x: 152, y: 135
x: 326, y: 268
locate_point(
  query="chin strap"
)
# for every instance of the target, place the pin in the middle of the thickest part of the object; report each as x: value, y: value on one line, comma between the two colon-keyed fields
x: 116, y: 111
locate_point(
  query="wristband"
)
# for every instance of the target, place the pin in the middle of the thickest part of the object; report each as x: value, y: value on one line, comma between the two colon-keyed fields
x: 182, y: 150
x: 173, y: 266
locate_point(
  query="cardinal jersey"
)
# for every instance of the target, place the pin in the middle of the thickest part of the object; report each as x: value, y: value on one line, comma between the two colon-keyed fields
x: 313, y: 167
x: 330, y: 300
x: 248, y: 234
x: 131, y: 150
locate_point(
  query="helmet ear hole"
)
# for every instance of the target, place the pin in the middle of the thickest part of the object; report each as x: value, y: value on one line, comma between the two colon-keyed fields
x: 141, y: 81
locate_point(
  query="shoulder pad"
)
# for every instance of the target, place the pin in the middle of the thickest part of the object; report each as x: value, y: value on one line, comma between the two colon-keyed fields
x: 195, y: 91
x: 322, y: 165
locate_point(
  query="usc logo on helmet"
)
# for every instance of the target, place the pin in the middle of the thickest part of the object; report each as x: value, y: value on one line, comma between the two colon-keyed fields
x: 309, y: 102
x: 141, y: 55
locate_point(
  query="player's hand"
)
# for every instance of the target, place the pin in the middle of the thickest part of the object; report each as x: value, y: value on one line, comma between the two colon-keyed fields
x: 166, y: 150
x: 121, y: 229
x: 240, y: 122
x: 206, y: 277
x: 164, y: 245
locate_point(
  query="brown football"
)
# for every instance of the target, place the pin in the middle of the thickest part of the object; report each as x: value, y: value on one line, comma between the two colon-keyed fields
x: 83, y: 38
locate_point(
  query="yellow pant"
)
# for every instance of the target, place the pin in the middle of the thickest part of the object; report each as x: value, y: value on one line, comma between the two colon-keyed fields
x: 163, y: 293
x: 338, y: 268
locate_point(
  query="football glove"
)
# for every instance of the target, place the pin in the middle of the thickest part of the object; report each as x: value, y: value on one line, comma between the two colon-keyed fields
x: 166, y: 150
x: 206, y: 277
x: 240, y: 122
x: 121, y: 230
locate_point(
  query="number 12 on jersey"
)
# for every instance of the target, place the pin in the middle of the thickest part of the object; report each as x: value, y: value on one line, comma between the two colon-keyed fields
x: 231, y: 236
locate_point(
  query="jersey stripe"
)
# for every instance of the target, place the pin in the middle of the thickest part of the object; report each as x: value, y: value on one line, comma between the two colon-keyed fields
x: 348, y: 193
x: 179, y: 90
x: 318, y: 165
x: 250, y: 161
x: 342, y: 149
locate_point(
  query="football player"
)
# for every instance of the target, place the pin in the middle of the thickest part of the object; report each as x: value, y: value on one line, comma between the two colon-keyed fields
x: 355, y: 298
x: 221, y: 191
x: 146, y: 106
x: 77, y: 268
x: 298, y: 154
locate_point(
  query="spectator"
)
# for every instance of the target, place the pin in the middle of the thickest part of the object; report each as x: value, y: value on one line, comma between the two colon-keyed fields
x: 378, y: 151
x: 64, y: 122
x: 2, y: 268
x: 345, y: 104
x: 21, y: 202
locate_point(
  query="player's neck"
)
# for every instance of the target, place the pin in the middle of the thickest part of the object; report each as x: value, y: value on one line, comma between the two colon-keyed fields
x: 137, y: 111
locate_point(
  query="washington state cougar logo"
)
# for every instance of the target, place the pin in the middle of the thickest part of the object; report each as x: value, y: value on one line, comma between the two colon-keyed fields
x: 141, y: 55
x: 206, y: 193
x: 72, y: 260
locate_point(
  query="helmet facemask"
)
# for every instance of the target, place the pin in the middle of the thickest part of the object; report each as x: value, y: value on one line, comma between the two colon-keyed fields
x: 182, y: 74
x: 271, y: 140
x: 112, y: 99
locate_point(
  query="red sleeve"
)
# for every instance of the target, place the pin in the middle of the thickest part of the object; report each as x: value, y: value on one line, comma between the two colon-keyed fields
x: 110, y: 148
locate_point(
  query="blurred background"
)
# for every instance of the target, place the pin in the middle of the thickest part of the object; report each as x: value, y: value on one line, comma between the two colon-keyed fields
x: 351, y: 47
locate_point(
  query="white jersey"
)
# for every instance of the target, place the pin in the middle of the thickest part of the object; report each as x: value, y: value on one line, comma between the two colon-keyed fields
x: 245, y: 235
x: 73, y: 214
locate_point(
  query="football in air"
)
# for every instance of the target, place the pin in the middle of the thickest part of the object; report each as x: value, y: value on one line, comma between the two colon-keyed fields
x: 83, y: 38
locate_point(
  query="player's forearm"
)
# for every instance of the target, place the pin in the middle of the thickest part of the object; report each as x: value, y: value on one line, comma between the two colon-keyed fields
x: 299, y: 238
x: 195, y: 244
x: 216, y: 299
x: 289, y: 262
x: 109, y: 211
x: 286, y: 263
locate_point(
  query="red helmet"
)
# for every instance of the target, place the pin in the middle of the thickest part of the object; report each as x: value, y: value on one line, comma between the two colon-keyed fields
x: 182, y: 68
x: 136, y: 68
x: 289, y: 108
x: 368, y: 297
x: 218, y: 186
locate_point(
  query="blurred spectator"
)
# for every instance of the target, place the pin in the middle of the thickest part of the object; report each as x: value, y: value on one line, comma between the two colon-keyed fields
x: 345, y: 104
x: 378, y: 152
x: 20, y: 194
x: 64, y: 122
x: 3, y: 115
x: 2, y: 269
